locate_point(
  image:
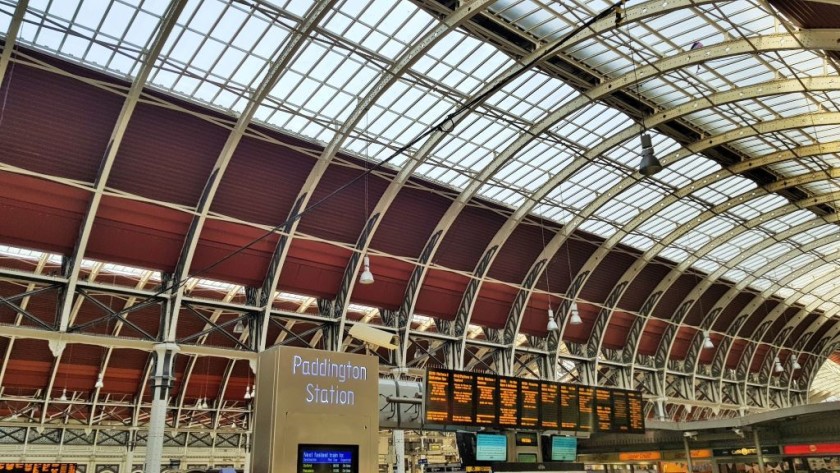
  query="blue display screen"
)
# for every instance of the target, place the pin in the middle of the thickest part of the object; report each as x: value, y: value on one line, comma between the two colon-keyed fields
x: 563, y: 448
x: 320, y: 456
x: 490, y: 448
x: 328, y: 459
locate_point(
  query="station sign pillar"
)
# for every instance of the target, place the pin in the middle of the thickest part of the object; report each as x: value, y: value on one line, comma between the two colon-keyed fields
x: 315, y: 408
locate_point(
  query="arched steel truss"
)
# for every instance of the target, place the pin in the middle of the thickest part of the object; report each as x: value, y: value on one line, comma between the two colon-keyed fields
x: 683, y: 382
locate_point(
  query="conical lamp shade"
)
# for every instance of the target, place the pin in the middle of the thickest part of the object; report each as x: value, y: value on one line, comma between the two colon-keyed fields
x: 649, y: 165
x: 366, y: 277
x: 552, y: 323
x: 239, y: 327
x: 574, y: 317
x: 707, y: 340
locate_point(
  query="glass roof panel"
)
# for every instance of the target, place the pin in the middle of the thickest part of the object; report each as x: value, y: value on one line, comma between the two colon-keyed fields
x: 707, y: 265
x: 813, y: 275
x: 599, y: 227
x: 219, y: 51
x: 108, y: 38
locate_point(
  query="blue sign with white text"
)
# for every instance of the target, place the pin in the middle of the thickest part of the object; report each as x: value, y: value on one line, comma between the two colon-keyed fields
x: 319, y: 456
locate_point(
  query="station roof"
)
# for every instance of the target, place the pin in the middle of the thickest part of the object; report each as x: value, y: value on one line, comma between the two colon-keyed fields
x: 152, y: 141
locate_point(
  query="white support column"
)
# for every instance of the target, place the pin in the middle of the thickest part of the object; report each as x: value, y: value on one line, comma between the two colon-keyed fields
x: 688, y: 455
x: 399, y: 450
x: 11, y: 37
x: 758, y: 453
x: 246, y: 466
x: 659, y: 406
x: 129, y: 459
x: 161, y: 384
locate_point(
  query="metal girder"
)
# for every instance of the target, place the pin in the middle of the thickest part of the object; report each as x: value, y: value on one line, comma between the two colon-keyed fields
x: 209, y: 321
x: 796, y: 353
x: 42, y: 262
x: 11, y: 37
x: 557, y: 241
x: 829, y: 343
x: 640, y: 74
x: 635, y: 13
x: 119, y: 342
x: 57, y: 348
x: 791, y: 323
x: 725, y: 345
x: 782, y: 306
x: 709, y: 318
x: 74, y: 265
x: 109, y: 350
x: 21, y: 311
x: 465, y: 11
x: 693, y: 353
x: 636, y: 268
x: 283, y: 56
x: 362, y: 242
x: 347, y: 127
x: 666, y: 343
x: 782, y: 340
x: 775, y: 87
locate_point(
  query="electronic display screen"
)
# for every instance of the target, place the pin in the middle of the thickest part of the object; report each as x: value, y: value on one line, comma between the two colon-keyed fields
x: 526, y: 439
x: 38, y: 467
x: 486, y: 392
x: 549, y: 405
x: 529, y: 403
x: 635, y: 407
x: 488, y: 400
x: 569, y: 410
x: 621, y: 416
x: 490, y: 447
x: 463, y: 393
x: 328, y: 459
x: 438, y: 410
x: 603, y: 409
x: 526, y: 457
x: 508, y: 402
x: 563, y: 449
x: 586, y: 404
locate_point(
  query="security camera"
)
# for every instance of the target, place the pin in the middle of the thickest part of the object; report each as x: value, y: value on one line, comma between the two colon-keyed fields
x: 690, y: 434
x: 372, y: 336
x: 738, y: 432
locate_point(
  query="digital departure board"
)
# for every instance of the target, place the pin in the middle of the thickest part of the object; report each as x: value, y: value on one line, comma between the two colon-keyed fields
x: 437, y: 396
x: 487, y: 400
x: 508, y: 402
x: 486, y: 387
x: 621, y: 416
x: 529, y: 403
x: 603, y: 410
x: 463, y: 395
x: 569, y: 410
x: 635, y: 407
x: 38, y: 467
x: 586, y: 401
x: 549, y: 406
